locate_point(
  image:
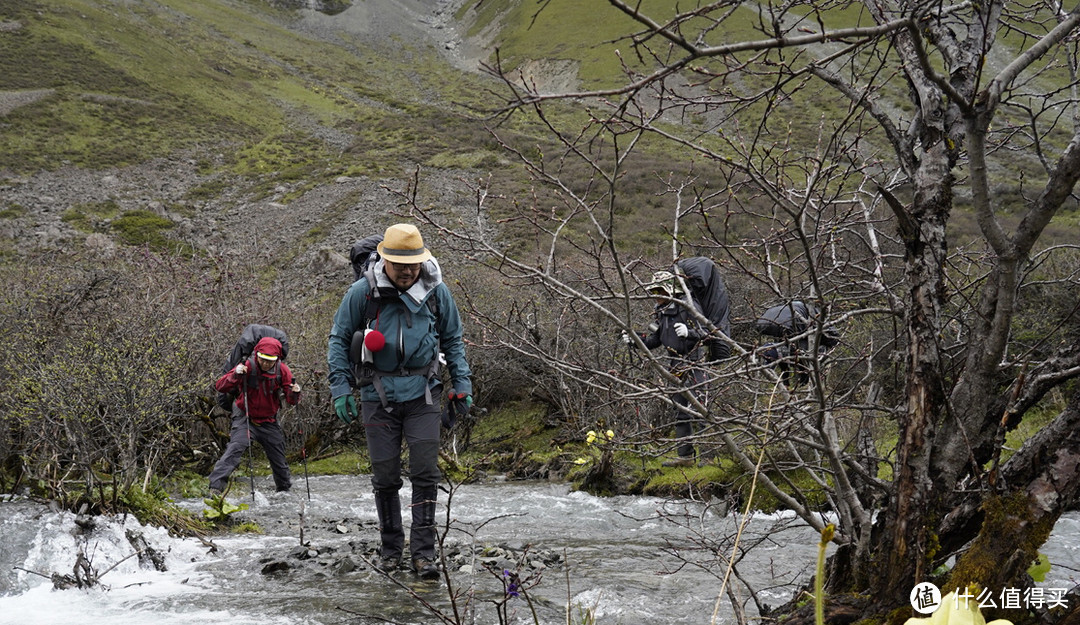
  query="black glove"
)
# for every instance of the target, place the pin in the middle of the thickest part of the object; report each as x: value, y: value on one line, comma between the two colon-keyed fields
x: 459, y: 405
x: 449, y: 416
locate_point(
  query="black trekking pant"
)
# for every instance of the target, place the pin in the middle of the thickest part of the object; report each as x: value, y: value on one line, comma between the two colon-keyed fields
x: 272, y: 439
x: 416, y: 423
x: 684, y: 423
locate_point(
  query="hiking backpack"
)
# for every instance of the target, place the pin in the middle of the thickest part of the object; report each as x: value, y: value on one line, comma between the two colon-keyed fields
x: 793, y: 358
x: 241, y: 351
x: 706, y: 285
x: 789, y: 319
x: 363, y: 254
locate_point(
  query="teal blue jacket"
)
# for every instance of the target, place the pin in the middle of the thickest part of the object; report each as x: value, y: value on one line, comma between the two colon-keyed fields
x: 414, y: 336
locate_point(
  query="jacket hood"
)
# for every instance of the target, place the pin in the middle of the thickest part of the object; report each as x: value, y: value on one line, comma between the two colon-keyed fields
x: 430, y: 277
x: 268, y: 345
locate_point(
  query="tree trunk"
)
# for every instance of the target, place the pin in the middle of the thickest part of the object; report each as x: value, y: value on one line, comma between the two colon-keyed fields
x: 903, y: 550
x: 1046, y: 475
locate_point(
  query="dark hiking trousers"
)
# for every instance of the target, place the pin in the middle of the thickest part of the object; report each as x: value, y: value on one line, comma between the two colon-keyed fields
x: 269, y: 435
x: 417, y: 424
x: 684, y: 423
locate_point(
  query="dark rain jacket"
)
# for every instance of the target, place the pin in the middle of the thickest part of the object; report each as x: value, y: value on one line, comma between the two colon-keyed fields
x: 680, y: 348
x: 261, y: 391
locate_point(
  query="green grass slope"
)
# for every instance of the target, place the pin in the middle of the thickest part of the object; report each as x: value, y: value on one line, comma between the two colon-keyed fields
x: 121, y: 82
x: 114, y: 83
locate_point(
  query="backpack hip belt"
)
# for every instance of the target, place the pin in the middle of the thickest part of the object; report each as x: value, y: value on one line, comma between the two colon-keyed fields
x: 428, y: 372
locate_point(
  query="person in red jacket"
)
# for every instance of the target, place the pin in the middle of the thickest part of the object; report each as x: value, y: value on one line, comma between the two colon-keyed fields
x: 261, y: 380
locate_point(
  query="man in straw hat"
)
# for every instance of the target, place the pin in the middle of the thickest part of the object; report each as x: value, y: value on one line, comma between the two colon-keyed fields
x: 676, y: 329
x: 386, y: 340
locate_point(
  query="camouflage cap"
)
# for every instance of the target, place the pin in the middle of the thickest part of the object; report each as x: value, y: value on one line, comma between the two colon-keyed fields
x: 664, y: 281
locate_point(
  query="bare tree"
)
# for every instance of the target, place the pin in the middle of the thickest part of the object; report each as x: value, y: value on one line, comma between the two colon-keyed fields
x: 902, y: 174
x: 112, y: 361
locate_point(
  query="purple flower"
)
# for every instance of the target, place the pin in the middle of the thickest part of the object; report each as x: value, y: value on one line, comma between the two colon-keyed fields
x: 513, y: 586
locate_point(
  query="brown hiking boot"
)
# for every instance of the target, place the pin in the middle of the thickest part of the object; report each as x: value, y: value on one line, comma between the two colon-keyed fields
x: 425, y: 569
x: 388, y: 564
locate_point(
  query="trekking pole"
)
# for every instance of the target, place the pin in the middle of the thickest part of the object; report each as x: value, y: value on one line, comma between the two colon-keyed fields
x: 303, y: 457
x: 247, y: 422
x: 303, y: 452
x: 453, y: 433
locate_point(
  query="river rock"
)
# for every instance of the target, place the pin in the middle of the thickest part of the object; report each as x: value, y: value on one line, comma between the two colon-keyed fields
x: 303, y: 553
x: 343, y: 566
x: 276, y: 566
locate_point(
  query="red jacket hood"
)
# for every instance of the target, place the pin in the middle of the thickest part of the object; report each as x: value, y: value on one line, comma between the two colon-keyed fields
x: 259, y: 397
x: 268, y: 345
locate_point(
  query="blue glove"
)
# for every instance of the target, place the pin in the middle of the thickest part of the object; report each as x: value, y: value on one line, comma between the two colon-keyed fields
x: 345, y: 408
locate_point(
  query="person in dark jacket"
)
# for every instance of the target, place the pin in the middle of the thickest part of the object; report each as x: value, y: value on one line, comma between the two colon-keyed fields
x: 260, y: 380
x: 386, y: 340
x: 676, y: 329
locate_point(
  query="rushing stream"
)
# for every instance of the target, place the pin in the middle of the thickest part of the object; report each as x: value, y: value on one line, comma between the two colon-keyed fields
x: 624, y: 557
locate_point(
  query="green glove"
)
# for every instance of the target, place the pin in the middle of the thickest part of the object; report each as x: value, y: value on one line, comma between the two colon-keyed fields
x: 345, y: 408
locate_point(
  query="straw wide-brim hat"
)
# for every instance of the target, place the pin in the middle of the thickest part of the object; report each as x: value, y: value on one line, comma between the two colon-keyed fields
x: 403, y: 244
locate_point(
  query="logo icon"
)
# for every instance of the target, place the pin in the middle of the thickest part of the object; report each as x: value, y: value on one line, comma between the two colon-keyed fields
x: 925, y: 598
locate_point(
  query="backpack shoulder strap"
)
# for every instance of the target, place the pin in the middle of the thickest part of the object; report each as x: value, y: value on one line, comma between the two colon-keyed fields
x: 371, y: 306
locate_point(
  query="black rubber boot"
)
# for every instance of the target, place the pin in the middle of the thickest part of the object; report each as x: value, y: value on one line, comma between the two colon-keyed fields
x: 422, y: 533
x: 388, y: 506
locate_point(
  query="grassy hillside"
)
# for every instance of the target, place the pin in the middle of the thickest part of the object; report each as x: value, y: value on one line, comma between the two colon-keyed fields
x: 597, y: 39
x: 259, y: 93
x: 124, y: 82
x: 593, y: 35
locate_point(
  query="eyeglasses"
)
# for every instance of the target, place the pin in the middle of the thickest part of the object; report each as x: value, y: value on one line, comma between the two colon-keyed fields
x: 410, y: 267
